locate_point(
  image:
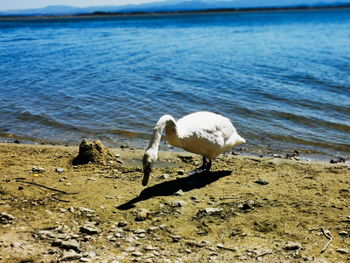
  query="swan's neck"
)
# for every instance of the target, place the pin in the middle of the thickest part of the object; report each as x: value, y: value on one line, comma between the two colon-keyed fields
x: 165, y: 121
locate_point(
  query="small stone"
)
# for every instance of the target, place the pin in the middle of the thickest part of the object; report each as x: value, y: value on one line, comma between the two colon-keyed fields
x: 222, y: 246
x: 142, y: 215
x: 90, y: 230
x: 45, y: 234
x: 150, y: 248
x: 261, y: 182
x: 141, y: 235
x: 163, y: 226
x: 292, y: 246
x: 165, y: 176
x: 338, y: 160
x: 212, y: 211
x: 38, y: 169
x: 16, y: 244
x: 153, y: 228
x: 277, y: 155
x: 6, y: 218
x: 130, y: 249
x: 70, y: 244
x: 92, y: 179
x: 118, y: 235
x: 111, y: 238
x: 84, y: 260
x: 176, y: 238
x: 129, y: 239
x: 137, y: 254
x: 178, y: 203
x: 344, y: 233
x: 122, y: 224
x: 85, y: 210
x: 179, y: 193
x: 70, y: 256
x: 91, y: 254
x: 342, y: 251
x: 59, y: 170
x: 246, y: 205
x: 139, y: 231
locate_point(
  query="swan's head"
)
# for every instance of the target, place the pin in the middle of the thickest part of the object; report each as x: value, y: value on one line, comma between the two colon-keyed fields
x: 148, y: 159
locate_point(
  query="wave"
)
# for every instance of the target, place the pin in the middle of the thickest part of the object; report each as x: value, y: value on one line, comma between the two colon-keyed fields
x: 311, y: 122
x: 50, y: 122
x: 318, y: 144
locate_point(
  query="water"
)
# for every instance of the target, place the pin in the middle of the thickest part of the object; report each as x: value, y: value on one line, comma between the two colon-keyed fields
x: 283, y: 78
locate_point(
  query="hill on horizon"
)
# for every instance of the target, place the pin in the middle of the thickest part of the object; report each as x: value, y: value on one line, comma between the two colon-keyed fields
x: 173, y: 6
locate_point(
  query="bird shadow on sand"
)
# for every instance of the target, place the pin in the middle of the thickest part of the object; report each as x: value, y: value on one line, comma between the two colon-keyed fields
x: 185, y: 184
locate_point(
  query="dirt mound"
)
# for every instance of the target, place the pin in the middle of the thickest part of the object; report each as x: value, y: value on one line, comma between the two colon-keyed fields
x: 93, y: 152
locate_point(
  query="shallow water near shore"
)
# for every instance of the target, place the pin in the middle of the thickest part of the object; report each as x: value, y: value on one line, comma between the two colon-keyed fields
x: 281, y: 77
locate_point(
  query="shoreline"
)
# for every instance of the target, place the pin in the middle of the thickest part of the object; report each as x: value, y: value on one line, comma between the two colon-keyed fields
x: 245, y: 208
x: 293, y: 153
x: 169, y: 13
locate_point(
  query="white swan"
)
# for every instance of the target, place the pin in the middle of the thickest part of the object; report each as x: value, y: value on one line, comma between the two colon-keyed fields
x: 205, y: 133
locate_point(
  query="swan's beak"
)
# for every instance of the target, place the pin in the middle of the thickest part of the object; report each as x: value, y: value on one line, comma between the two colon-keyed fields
x: 146, y: 172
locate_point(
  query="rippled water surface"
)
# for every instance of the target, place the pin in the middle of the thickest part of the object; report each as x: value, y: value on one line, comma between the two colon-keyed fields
x: 283, y: 78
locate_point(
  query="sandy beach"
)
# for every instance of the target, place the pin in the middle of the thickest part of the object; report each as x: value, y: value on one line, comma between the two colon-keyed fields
x: 247, y: 209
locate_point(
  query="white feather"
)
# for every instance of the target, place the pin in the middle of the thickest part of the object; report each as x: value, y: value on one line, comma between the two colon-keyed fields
x: 205, y: 133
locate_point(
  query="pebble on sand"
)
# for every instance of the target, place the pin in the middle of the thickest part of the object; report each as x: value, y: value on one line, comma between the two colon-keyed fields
x: 290, y: 245
x: 70, y: 256
x: 59, y: 170
x: 6, y: 218
x: 142, y: 215
x: 90, y: 230
x: 37, y: 169
x: 179, y: 193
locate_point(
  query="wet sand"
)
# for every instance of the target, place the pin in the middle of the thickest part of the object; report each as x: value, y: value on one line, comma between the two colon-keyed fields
x: 247, y: 209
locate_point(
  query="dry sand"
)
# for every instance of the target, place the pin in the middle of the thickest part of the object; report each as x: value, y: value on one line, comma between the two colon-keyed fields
x: 246, y: 209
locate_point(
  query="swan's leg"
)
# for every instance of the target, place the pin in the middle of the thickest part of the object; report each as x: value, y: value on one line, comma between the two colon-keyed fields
x: 203, y: 169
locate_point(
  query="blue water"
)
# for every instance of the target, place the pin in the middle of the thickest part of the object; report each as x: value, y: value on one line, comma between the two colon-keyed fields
x: 283, y: 78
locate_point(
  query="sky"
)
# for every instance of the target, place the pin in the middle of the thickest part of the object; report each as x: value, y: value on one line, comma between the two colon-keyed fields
x: 29, y: 4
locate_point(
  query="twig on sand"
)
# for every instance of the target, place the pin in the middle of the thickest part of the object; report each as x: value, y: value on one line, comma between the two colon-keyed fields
x: 44, y: 186
x: 328, y: 235
x: 132, y: 170
x: 227, y: 198
x: 54, y: 196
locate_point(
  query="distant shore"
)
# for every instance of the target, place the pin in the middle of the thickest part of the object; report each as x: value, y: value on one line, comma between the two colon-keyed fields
x: 101, y: 14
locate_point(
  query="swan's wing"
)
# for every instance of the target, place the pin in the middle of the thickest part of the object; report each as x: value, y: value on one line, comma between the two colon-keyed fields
x: 207, y: 123
x: 206, y: 133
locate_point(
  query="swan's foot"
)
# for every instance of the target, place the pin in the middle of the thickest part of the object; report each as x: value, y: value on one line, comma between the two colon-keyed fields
x: 203, y: 169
